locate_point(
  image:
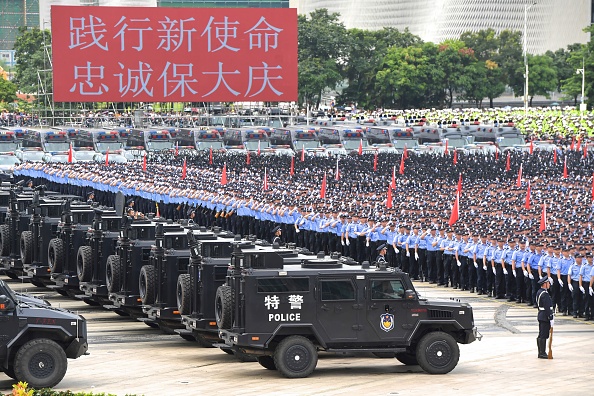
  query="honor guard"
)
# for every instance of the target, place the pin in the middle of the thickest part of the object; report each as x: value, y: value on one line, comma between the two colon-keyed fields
x: 381, y: 258
x: 545, y: 315
x: 276, y: 232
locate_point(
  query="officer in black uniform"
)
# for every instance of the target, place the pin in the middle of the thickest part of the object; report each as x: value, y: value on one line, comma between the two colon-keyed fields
x: 545, y: 316
x: 90, y: 198
x: 276, y: 231
x: 382, y: 249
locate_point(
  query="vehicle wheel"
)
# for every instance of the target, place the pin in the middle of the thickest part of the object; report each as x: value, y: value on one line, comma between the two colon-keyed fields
x: 4, y: 240
x: 438, y: 353
x: 10, y: 372
x: 224, y: 307
x: 55, y: 255
x: 114, y: 272
x: 267, y: 362
x: 26, y: 247
x: 383, y: 355
x: 184, y: 294
x: 84, y: 264
x: 204, y: 343
x: 147, y: 284
x: 41, y: 363
x: 407, y: 358
x: 295, y: 357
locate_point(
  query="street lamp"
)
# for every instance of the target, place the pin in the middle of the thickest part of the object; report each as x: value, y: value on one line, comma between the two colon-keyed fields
x: 526, y: 8
x: 582, y: 71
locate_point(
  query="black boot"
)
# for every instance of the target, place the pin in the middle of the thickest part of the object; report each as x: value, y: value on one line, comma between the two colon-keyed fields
x: 542, y: 346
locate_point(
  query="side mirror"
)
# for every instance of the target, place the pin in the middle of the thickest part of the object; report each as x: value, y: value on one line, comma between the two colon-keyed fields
x: 410, y: 295
x: 6, y: 304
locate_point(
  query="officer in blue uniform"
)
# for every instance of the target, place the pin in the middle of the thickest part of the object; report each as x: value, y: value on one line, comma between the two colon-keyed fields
x: 545, y: 316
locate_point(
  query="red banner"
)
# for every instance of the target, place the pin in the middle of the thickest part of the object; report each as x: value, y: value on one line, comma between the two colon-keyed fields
x: 147, y: 54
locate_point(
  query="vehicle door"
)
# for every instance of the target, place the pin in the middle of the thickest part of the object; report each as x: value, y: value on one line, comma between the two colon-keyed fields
x: 337, y: 308
x: 9, y: 322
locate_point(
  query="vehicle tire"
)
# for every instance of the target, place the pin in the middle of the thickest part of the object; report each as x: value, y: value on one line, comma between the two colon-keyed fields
x: 438, y: 353
x: 4, y: 240
x: 383, y: 355
x: 184, y: 294
x: 267, y: 362
x: 147, y: 283
x: 84, y: 264
x: 407, y: 358
x: 26, y: 247
x: 295, y: 357
x: 41, y: 363
x: 224, y: 307
x: 55, y: 255
x: 114, y: 273
x: 10, y: 372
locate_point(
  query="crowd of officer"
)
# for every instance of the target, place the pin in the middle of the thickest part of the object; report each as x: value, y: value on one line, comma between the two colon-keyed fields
x: 494, y: 248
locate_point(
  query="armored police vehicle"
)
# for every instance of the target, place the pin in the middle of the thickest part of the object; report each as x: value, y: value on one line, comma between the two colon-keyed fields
x: 141, y: 141
x: 285, y: 314
x: 391, y: 139
x: 244, y: 139
x: 99, y: 143
x: 201, y: 139
x: 330, y: 140
x: 44, y: 145
x: 37, y: 339
x: 297, y: 138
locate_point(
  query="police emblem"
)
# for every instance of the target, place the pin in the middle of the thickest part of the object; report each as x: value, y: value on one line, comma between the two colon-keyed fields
x: 386, y: 322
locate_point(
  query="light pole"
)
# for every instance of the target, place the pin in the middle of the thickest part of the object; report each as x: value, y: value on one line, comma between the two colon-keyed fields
x: 526, y: 8
x: 582, y: 71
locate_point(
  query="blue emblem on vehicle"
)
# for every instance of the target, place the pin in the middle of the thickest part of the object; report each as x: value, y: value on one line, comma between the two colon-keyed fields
x: 386, y: 322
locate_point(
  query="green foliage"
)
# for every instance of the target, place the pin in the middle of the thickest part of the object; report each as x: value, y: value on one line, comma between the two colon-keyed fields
x: 29, y: 50
x: 7, y: 91
x: 542, y: 78
x: 22, y: 389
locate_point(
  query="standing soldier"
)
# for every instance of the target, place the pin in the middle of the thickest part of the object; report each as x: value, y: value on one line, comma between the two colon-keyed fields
x: 573, y: 283
x: 478, y: 262
x: 497, y: 265
x: 381, y: 258
x: 533, y: 270
x: 565, y: 261
x: 545, y: 316
x: 432, y: 241
x: 585, y: 279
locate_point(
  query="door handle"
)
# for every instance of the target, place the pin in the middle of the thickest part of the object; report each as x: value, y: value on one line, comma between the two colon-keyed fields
x: 373, y: 306
x: 325, y: 307
x: 338, y: 308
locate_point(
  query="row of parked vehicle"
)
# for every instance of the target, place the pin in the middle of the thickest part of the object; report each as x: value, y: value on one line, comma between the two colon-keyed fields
x: 278, y: 305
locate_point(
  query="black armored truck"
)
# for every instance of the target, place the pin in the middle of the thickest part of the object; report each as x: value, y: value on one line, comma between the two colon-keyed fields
x: 285, y: 314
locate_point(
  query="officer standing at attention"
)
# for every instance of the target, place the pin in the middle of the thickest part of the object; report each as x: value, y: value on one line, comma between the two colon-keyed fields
x: 545, y: 315
x: 382, y: 249
x: 276, y: 232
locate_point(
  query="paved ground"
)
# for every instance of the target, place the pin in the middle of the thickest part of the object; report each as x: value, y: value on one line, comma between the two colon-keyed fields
x: 128, y: 357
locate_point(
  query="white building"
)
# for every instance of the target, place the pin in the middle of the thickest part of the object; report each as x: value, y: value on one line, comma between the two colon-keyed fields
x: 552, y: 24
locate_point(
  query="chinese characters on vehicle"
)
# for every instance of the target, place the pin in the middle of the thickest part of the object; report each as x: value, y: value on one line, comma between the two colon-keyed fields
x: 272, y: 303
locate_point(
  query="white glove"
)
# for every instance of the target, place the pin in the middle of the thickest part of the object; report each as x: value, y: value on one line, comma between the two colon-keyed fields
x: 459, y: 263
x: 591, y: 291
x: 407, y: 253
x: 552, y: 322
x: 504, y: 271
x: 525, y: 273
x: 348, y: 242
x: 494, y: 271
x: 530, y: 276
x: 396, y: 251
x: 484, y: 267
x: 367, y: 244
x: 297, y: 230
x: 570, y: 287
x: 416, y: 256
x: 550, y: 280
x: 475, y: 265
x: 514, y: 273
x: 582, y: 289
x: 560, y: 282
x: 342, y: 242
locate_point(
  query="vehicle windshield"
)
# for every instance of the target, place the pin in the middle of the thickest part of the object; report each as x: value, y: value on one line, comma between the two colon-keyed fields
x: 307, y: 144
x: 56, y: 146
x: 84, y: 155
x: 511, y: 141
x: 33, y: 155
x: 5, y: 147
x: 252, y: 145
x: 457, y: 142
x: 353, y: 144
x: 410, y: 143
x: 159, y: 145
x: 207, y: 144
x: 8, y: 160
x: 380, y: 138
x: 111, y: 146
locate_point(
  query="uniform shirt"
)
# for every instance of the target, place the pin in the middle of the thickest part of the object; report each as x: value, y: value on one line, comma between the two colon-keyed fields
x: 565, y: 262
x: 448, y: 246
x: 489, y: 253
x: 517, y: 257
x: 423, y: 242
x: 545, y: 305
x: 508, y: 255
x: 413, y: 241
x: 545, y: 262
x: 429, y: 239
x: 574, y: 271
x: 585, y: 272
x: 479, y: 251
x: 535, y: 261
x: 498, y: 255
x: 469, y: 247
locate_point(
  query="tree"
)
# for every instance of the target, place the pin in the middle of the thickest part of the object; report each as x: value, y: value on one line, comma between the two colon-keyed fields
x: 571, y: 84
x: 542, y: 78
x: 7, y: 91
x: 29, y: 51
x: 453, y: 58
x: 510, y: 60
x: 560, y: 63
x: 485, y: 43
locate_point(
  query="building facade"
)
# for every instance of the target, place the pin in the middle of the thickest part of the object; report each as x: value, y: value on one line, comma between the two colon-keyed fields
x: 14, y: 14
x: 551, y: 24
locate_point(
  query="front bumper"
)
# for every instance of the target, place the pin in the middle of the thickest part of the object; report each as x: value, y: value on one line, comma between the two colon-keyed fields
x: 77, y: 348
x: 471, y: 336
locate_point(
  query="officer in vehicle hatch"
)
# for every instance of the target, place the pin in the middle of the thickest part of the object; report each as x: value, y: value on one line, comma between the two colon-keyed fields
x: 381, y: 258
x: 545, y: 316
x: 90, y: 198
x: 277, y: 235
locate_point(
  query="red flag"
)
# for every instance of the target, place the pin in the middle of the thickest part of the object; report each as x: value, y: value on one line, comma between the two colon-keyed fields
x: 224, y: 175
x: 323, y: 188
x: 585, y: 149
x: 70, y: 154
x: 579, y: 143
x: 210, y: 157
x: 405, y: 152
x: 375, y: 162
x: 107, y: 158
x: 292, y: 170
x: 455, y: 157
x: 393, y: 183
x: 531, y: 146
x: 455, y: 210
x: 527, y: 205
x: 496, y: 154
x: 572, y: 147
x: 519, y: 181
x: 565, y: 168
x: 446, y: 148
x: 258, y: 147
x: 507, y: 166
x: 265, y: 186
x: 247, y: 157
x: 555, y: 156
x: 543, y: 219
x: 592, y: 186
x: 176, y: 149
x: 460, y: 184
x: 389, y: 199
x: 360, y: 147
x: 402, y: 165
x: 144, y: 162
x: 302, y: 153
x: 337, y: 173
x: 184, y: 170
